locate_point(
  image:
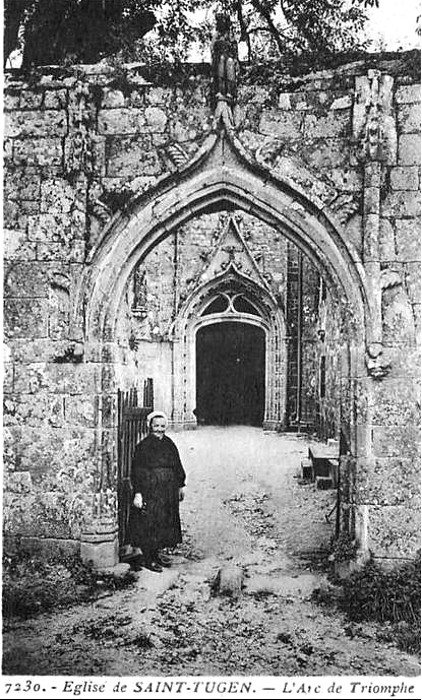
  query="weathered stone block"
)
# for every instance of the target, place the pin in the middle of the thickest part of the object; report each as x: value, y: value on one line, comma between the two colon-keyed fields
x: 74, y: 378
x: 8, y: 374
x: 26, y: 317
x: 108, y: 378
x: 112, y: 98
x: 121, y: 121
x: 394, y: 402
x: 284, y: 101
x: 405, y: 362
x: 15, y: 214
x: 11, y: 101
x: 387, y: 481
x: 407, y: 239
x: 394, y: 531
x: 55, y: 99
x: 82, y: 410
x: 409, y: 119
x: 408, y: 94
x: 101, y: 554
x: 16, y: 247
x: 108, y: 410
x: 327, y: 126
x: 22, y: 183
x: 396, y: 441
x: 26, y: 280
x: 59, y: 378
x: 49, y: 228
x: 401, y: 204
x: 73, y: 251
x: 371, y: 200
x: 35, y: 410
x: 326, y: 154
x: 156, y: 119
x: 19, y: 482
x: 57, y: 197
x: 398, y: 321
x: 42, y: 152
x: 131, y: 157
x: 31, y: 99
x: 156, y: 95
x: 409, y: 149
x: 48, y: 546
x: 405, y: 178
x: 35, y: 123
x: 387, y: 246
x: 343, y: 102
x: 285, y: 125
x: 412, y: 278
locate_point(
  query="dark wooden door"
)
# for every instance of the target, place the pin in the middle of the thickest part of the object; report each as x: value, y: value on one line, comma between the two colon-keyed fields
x: 230, y: 374
x: 132, y: 427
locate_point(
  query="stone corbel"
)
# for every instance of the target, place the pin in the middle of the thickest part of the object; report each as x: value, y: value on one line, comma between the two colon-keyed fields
x: 377, y: 366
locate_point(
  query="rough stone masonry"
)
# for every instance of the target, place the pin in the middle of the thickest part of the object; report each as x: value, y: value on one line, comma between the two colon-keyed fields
x: 139, y: 211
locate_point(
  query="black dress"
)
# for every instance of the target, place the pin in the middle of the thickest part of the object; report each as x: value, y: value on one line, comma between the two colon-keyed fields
x: 157, y: 474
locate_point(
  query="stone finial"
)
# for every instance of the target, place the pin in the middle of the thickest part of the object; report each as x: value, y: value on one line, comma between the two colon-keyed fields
x: 79, y: 150
x: 225, y: 62
x: 374, y: 124
x: 225, y: 68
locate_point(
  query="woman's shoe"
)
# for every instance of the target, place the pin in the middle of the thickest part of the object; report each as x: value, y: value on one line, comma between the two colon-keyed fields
x: 163, y: 561
x: 153, y: 566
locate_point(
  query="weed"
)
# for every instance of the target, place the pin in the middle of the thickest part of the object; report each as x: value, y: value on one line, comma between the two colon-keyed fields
x: 389, y: 597
x: 33, y: 584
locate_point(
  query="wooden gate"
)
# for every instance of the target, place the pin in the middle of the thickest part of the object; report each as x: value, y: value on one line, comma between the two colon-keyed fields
x: 132, y: 427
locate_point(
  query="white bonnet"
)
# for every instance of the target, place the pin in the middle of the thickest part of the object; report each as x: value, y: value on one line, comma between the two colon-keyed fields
x: 156, y: 414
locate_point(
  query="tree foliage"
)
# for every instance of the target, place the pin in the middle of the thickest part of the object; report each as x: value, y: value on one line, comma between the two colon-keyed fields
x: 85, y: 31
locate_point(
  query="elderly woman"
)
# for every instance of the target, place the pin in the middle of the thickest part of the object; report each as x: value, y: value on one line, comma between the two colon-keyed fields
x: 158, y: 480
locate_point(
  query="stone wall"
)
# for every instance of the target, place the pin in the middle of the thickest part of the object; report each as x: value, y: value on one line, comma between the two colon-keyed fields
x: 81, y: 147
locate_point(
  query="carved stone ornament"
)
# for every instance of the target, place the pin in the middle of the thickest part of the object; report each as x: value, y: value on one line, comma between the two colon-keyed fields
x: 79, y: 151
x: 225, y: 68
x: 377, y: 366
x: 140, y: 291
x: 225, y: 62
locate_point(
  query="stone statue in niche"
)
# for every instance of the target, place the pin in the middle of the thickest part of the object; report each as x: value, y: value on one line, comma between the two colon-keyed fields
x: 140, y: 291
x: 79, y: 156
x: 398, y: 323
x: 225, y: 62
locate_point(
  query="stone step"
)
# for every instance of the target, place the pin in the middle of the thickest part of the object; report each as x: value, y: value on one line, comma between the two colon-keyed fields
x: 307, y: 470
x: 324, y: 482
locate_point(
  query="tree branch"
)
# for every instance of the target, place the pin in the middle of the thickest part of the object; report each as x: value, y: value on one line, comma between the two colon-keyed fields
x: 259, y: 7
x: 243, y: 28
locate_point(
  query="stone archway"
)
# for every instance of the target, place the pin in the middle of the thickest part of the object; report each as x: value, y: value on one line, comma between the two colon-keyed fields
x: 221, y: 178
x: 193, y: 316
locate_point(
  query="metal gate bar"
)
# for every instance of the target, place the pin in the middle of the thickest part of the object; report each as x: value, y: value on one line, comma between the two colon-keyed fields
x: 132, y: 427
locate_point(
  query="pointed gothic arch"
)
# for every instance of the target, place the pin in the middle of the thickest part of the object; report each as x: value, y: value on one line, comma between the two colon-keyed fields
x: 220, y: 177
x: 191, y: 318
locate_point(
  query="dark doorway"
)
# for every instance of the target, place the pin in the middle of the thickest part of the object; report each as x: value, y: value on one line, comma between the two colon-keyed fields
x: 230, y: 374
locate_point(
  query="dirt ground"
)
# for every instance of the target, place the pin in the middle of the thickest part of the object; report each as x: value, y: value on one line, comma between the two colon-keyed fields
x: 246, y: 507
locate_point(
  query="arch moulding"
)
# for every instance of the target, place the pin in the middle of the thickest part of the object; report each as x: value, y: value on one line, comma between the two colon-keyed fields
x: 191, y: 319
x: 220, y: 177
